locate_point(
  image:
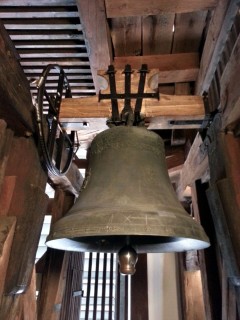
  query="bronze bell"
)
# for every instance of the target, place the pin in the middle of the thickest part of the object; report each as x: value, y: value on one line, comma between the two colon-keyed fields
x: 127, y: 200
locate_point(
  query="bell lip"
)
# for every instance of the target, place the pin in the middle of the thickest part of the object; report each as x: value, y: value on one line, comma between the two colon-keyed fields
x: 93, y: 244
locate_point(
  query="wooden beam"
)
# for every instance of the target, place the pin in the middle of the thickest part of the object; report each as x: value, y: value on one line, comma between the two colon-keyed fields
x: 125, y: 8
x: 194, y: 167
x: 56, y: 266
x: 53, y: 284
x: 178, y: 67
x: 168, y: 105
x: 139, y: 290
x: 7, y: 227
x: 28, y: 201
x: 208, y: 259
x: 230, y: 93
x: 97, y: 35
x: 29, y: 300
x: 6, y: 138
x: 218, y: 29
x: 174, y: 157
x: 15, y: 99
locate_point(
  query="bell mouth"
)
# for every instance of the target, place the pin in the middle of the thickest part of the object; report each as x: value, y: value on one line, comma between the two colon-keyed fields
x: 141, y: 243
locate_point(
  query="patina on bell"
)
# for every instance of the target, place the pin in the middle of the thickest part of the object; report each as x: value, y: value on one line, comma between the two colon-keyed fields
x: 127, y: 200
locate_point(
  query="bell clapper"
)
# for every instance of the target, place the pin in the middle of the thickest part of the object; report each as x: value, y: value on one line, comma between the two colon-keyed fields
x: 127, y: 259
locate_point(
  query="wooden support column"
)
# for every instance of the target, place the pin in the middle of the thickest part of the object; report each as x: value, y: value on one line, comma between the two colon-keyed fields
x: 96, y: 34
x: 208, y: 259
x: 28, y: 204
x: 54, y: 272
x: 139, y: 290
x: 223, y: 194
x: 7, y: 228
x: 53, y: 284
x: 6, y: 138
x: 29, y: 308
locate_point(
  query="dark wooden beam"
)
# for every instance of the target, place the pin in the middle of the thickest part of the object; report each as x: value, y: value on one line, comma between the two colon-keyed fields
x: 15, y: 99
x: 220, y: 24
x: 55, y: 268
x: 124, y: 8
x: 230, y: 93
x: 7, y: 228
x: 208, y: 261
x: 175, y: 156
x: 139, y: 290
x: 97, y: 35
x: 27, y: 202
x: 178, y: 67
x: 53, y: 284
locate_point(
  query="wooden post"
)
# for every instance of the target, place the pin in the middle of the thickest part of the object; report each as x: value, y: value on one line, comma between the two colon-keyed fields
x: 56, y: 266
x: 28, y: 205
x: 139, y: 290
x: 7, y: 227
x: 53, y: 284
x: 208, y: 259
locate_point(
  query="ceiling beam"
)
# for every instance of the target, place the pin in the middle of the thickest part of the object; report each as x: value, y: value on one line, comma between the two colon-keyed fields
x: 97, y: 35
x: 127, y: 8
x: 219, y: 27
x: 178, y: 67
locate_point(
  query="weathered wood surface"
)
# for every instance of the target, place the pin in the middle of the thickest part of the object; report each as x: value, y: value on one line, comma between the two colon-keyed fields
x: 230, y: 93
x: 193, y: 296
x: 7, y: 228
x: 223, y: 235
x: 126, y: 8
x: 195, y: 166
x: 231, y: 156
x: 151, y: 82
x: 168, y: 106
x: 178, y: 67
x: 6, y: 138
x: 157, y: 33
x: 53, y: 284
x: 97, y: 35
x: 15, y: 97
x: 60, y: 205
x: 28, y: 201
x: 219, y: 27
x: 126, y: 36
x: 71, y: 304
x: 139, y: 290
x: 29, y: 301
x: 56, y: 265
x: 185, y: 41
x: 208, y: 258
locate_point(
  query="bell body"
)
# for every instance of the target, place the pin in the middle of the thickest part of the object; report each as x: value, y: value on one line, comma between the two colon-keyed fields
x: 127, y: 199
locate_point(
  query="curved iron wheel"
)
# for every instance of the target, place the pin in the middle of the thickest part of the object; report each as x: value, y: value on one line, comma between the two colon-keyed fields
x: 57, y: 146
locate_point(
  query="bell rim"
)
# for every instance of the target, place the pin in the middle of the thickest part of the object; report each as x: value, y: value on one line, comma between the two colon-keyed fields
x: 93, y: 244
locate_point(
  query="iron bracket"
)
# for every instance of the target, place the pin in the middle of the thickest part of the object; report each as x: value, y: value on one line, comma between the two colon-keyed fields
x: 128, y: 115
